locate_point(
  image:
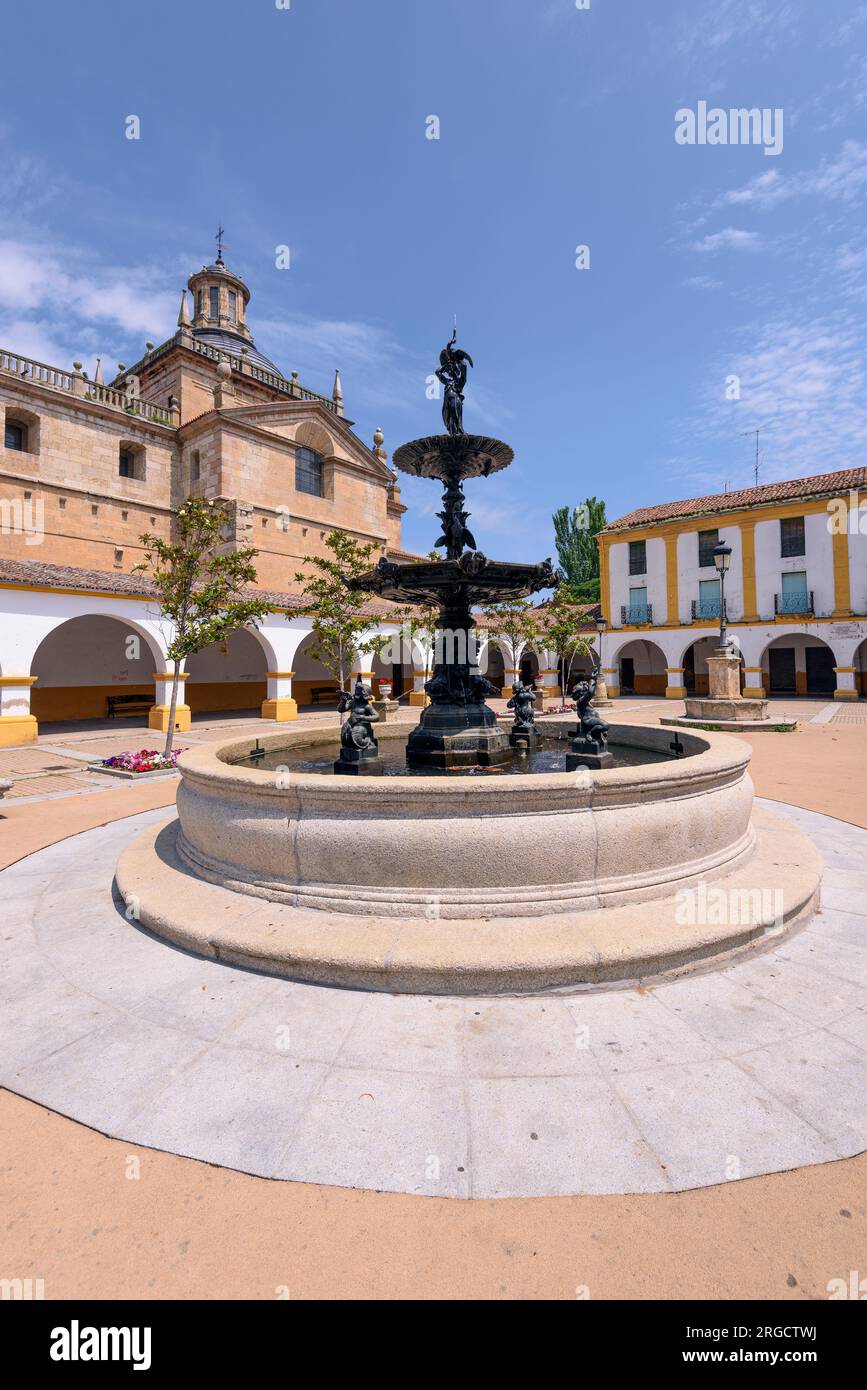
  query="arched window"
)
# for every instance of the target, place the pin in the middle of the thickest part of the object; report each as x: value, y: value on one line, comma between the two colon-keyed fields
x: 308, y: 472
x: 214, y: 297
x: 233, y: 306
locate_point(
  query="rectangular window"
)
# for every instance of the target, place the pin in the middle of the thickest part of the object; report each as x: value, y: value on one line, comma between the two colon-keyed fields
x: 233, y: 306
x: 707, y: 542
x: 794, y: 595
x: 214, y: 296
x: 125, y: 464
x: 792, y: 536
x: 200, y: 303
x: 638, y: 557
x: 15, y: 437
x: 195, y: 465
x: 638, y: 603
x: 708, y: 598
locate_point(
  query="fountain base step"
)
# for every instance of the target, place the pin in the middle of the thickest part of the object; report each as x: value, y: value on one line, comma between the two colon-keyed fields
x: 482, y: 747
x: 700, y: 923
x: 584, y: 758
x: 361, y: 767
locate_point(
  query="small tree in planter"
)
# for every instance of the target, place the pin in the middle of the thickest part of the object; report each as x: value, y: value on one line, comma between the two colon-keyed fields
x: 515, y: 622
x: 564, y: 633
x: 336, y: 607
x: 419, y: 625
x: 199, y: 585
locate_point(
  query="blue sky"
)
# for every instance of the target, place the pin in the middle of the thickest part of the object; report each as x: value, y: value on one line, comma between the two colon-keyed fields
x: 307, y: 127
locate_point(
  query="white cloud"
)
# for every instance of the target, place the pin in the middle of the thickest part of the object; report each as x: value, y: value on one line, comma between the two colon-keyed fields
x: 68, y: 301
x: 729, y: 239
x: 702, y: 282
x: 763, y: 23
x: 844, y: 177
x: 804, y: 381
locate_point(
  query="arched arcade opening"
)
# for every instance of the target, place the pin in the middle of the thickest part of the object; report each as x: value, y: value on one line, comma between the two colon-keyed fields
x: 641, y: 667
x: 85, y: 663
x: 798, y: 663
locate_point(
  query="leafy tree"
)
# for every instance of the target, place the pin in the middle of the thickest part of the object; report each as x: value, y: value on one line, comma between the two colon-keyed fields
x: 515, y: 622
x: 336, y: 607
x: 200, y: 585
x: 419, y: 624
x: 578, y: 553
x: 565, y: 632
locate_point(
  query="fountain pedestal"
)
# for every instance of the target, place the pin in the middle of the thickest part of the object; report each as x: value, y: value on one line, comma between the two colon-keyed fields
x: 582, y: 753
x: 457, y: 728
x: 724, y: 706
x: 357, y: 763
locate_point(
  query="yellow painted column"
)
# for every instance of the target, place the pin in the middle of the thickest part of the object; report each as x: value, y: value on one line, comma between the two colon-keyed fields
x: 417, y: 695
x: 675, y: 689
x: 17, y: 724
x: 840, y: 551
x: 279, y: 704
x: 605, y: 579
x: 158, y: 714
x: 753, y: 688
x: 671, y: 591
x: 846, y: 687
x: 748, y: 569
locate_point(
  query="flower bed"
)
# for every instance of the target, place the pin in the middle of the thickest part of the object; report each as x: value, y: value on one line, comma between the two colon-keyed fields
x: 145, y: 760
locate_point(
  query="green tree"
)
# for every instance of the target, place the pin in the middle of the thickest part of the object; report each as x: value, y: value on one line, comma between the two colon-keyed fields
x: 564, y: 627
x: 200, y: 585
x: 419, y: 624
x: 575, y: 534
x: 336, y: 606
x: 515, y: 622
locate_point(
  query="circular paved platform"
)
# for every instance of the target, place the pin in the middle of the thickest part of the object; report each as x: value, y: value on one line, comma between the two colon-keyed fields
x: 755, y: 1068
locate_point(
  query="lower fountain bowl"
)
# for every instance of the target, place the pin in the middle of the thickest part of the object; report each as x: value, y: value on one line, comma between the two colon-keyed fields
x: 469, y: 847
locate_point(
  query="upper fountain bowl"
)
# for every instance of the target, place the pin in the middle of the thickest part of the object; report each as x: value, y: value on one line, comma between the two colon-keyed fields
x: 452, y: 457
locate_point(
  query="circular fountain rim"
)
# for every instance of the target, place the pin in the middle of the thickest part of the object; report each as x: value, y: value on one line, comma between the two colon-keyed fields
x: 719, y: 754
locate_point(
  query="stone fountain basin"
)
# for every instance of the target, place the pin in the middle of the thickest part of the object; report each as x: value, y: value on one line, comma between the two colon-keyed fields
x: 432, y: 848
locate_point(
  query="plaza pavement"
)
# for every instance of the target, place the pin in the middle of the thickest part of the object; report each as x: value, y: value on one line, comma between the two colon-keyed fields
x: 74, y: 1217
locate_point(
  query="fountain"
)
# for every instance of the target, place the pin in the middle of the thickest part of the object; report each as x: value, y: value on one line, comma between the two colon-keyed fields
x: 417, y: 867
x: 457, y: 728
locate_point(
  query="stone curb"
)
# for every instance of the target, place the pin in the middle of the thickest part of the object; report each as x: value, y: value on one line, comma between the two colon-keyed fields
x: 509, y: 955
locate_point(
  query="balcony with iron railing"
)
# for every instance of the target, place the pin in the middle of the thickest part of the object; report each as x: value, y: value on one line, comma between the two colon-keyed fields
x: 799, y: 603
x: 707, y: 610
x: 636, y: 614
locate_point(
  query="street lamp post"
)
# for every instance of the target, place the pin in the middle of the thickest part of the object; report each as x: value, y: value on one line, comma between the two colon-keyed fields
x: 722, y: 557
x: 601, y: 696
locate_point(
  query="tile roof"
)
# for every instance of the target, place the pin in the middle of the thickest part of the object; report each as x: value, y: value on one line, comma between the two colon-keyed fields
x: 35, y: 573
x: 822, y: 484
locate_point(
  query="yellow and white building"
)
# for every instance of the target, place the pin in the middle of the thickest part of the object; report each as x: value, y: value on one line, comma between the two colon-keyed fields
x: 796, y: 591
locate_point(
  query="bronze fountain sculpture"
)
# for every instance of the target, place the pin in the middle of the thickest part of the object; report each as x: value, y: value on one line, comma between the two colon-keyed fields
x: 457, y: 728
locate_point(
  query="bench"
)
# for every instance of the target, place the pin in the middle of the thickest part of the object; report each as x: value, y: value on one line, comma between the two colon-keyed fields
x: 128, y: 704
x: 323, y: 692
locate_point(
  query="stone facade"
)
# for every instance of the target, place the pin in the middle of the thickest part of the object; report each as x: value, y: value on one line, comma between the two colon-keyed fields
x: 87, y: 468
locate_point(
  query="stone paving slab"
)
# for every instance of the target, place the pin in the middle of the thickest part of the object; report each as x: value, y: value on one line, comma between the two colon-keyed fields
x: 759, y: 1067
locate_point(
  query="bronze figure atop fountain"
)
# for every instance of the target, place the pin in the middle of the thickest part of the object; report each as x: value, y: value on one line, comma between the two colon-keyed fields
x: 452, y: 375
